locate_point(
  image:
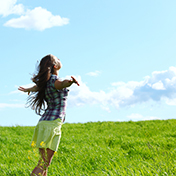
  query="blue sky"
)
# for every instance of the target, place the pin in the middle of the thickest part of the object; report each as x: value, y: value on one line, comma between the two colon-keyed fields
x: 122, y: 52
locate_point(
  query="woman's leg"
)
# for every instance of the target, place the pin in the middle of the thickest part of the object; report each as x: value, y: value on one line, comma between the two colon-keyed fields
x: 50, y: 154
x: 44, y: 162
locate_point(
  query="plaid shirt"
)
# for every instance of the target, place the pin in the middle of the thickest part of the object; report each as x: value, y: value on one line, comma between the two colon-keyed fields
x: 56, y: 101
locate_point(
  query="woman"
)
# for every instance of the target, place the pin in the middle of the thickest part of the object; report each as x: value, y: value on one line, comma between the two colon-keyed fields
x: 50, y: 91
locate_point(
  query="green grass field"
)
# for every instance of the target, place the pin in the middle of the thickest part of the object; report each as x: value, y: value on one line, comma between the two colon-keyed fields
x: 101, y: 148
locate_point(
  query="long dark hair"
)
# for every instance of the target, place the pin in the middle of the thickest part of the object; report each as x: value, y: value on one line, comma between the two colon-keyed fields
x: 45, y: 68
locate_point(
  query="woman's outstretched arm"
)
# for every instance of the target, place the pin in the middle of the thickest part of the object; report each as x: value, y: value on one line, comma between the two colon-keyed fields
x: 28, y: 90
x: 65, y: 83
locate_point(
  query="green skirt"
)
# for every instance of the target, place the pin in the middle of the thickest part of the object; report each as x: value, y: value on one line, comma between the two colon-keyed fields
x: 47, y: 134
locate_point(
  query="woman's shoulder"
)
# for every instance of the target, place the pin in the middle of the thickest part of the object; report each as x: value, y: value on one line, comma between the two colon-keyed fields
x: 53, y: 78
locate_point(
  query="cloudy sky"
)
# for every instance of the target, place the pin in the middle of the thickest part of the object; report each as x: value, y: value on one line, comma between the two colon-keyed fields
x: 122, y: 52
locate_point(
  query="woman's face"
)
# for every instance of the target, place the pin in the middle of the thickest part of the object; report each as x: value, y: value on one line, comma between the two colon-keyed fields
x: 58, y: 64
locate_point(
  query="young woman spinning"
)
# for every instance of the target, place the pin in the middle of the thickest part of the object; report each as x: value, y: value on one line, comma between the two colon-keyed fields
x: 49, y: 92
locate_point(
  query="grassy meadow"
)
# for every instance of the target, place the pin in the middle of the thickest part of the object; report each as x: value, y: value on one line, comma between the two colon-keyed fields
x: 100, y: 148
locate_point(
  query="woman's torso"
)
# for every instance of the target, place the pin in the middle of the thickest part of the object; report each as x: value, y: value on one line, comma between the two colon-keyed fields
x: 56, y: 101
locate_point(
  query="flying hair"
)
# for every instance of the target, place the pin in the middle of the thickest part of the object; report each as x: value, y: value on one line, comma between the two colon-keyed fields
x: 45, y: 68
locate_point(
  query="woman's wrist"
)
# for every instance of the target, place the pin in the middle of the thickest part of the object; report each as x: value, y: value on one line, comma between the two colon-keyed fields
x: 32, y: 89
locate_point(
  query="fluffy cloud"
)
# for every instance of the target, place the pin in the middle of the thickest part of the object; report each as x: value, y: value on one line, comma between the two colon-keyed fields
x: 161, y: 85
x: 83, y: 95
x: 38, y: 18
x: 8, y: 7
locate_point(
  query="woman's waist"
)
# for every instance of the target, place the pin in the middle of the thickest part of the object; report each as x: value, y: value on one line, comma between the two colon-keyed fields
x: 49, y: 122
x: 55, y: 108
x: 56, y: 105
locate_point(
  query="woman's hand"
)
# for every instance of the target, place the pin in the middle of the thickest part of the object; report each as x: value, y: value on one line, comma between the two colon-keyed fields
x: 24, y: 89
x: 28, y: 90
x: 74, y: 80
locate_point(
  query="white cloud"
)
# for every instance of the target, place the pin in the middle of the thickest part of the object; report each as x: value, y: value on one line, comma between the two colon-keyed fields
x: 38, y: 19
x: 83, y: 95
x: 161, y: 85
x: 8, y: 7
x: 95, y: 73
x: 158, y: 86
x: 171, y: 102
x: 136, y: 117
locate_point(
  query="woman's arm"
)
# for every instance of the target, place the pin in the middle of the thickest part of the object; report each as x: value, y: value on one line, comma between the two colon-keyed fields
x: 30, y: 89
x: 66, y: 83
